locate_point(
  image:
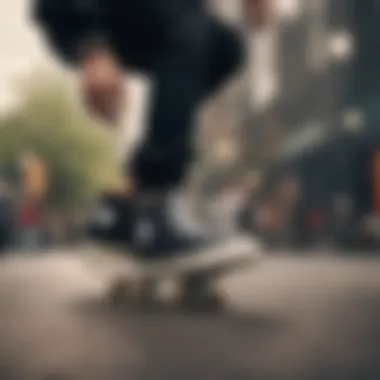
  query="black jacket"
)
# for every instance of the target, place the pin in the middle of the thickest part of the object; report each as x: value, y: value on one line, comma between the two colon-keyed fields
x: 137, y: 30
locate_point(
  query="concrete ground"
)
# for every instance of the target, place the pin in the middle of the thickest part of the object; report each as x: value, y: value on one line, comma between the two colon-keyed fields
x: 290, y: 318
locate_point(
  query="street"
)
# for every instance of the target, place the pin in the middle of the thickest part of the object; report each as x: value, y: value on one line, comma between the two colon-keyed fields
x: 290, y: 318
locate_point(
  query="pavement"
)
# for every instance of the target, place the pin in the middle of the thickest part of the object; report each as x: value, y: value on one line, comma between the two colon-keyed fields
x: 295, y: 318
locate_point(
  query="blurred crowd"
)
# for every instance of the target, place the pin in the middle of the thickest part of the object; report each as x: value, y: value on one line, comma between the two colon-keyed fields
x: 26, y: 224
x: 276, y: 212
x: 280, y: 215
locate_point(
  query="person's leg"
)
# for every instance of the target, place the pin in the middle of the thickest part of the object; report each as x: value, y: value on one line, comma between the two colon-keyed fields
x: 204, y: 56
x: 228, y: 55
x: 204, y: 53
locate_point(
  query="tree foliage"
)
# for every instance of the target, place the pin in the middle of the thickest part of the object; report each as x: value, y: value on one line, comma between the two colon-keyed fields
x: 80, y: 155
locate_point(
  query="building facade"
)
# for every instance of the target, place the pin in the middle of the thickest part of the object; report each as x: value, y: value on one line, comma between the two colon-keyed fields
x: 299, y: 76
x: 319, y: 115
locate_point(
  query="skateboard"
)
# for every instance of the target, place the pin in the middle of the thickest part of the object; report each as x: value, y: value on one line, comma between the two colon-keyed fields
x: 194, y: 280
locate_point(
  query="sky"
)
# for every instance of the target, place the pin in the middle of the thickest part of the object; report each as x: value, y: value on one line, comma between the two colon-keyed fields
x: 20, y: 45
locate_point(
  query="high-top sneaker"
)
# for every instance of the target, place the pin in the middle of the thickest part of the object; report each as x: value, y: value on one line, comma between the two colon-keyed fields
x: 110, y: 221
x: 158, y: 228
x: 164, y: 230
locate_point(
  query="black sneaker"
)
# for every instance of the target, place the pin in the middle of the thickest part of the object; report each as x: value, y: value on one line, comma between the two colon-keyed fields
x: 110, y: 221
x: 151, y: 233
x: 161, y: 233
x: 143, y: 227
x: 156, y: 235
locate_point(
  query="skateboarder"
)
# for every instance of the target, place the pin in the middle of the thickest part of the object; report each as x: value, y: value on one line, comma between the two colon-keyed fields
x: 188, y: 54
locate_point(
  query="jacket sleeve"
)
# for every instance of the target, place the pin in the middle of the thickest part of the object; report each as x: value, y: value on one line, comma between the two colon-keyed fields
x: 69, y: 25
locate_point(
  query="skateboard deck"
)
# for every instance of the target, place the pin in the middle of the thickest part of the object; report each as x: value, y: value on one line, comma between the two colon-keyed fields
x: 223, y: 257
x: 194, y: 275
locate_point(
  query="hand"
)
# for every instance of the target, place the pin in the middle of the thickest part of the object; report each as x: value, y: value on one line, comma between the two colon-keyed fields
x: 102, y: 85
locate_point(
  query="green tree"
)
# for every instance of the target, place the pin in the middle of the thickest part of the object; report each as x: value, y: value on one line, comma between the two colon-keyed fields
x: 79, y: 154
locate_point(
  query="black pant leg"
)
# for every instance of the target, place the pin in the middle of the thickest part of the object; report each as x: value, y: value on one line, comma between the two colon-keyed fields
x: 228, y: 54
x: 204, y: 54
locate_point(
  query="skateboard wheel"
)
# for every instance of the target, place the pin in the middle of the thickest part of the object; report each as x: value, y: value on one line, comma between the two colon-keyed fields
x: 133, y: 293
x: 122, y: 292
x: 210, y: 301
x: 146, y: 294
x: 199, y: 295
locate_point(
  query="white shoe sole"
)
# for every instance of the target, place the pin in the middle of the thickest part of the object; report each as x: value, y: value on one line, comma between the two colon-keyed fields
x: 238, y: 251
